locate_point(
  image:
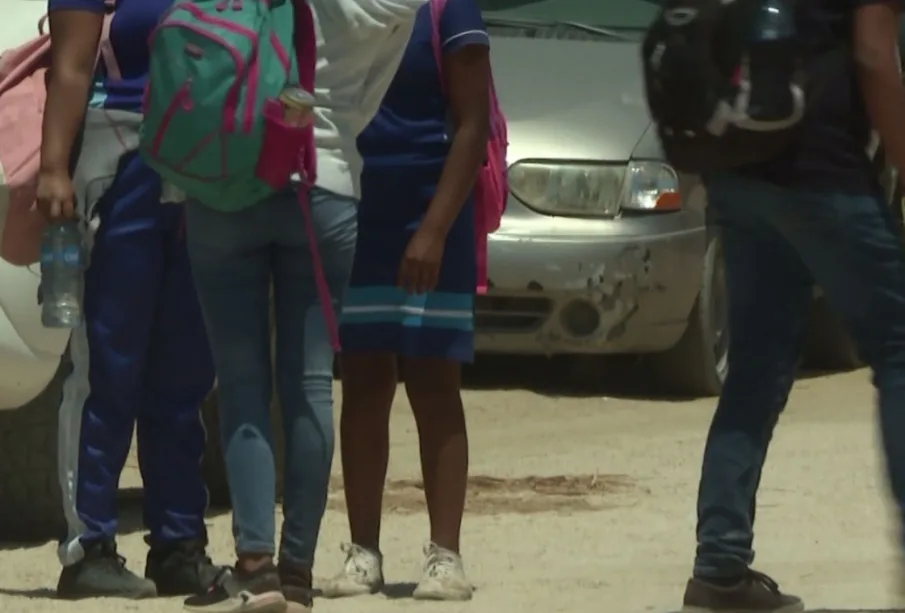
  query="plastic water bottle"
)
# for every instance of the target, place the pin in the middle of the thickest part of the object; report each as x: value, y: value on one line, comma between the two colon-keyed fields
x: 771, y: 62
x: 62, y: 275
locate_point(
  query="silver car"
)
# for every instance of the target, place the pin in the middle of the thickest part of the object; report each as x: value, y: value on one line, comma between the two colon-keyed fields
x: 604, y: 249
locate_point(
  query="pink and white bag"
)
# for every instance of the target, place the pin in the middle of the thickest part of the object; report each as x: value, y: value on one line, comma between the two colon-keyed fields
x: 491, y: 189
x: 23, y: 93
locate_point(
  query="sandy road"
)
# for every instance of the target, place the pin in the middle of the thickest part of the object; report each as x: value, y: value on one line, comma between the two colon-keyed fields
x: 536, y: 541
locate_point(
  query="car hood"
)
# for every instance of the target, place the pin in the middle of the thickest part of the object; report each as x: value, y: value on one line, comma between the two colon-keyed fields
x: 570, y: 99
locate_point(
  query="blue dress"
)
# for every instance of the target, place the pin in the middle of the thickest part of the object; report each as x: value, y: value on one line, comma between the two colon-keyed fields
x: 404, y: 149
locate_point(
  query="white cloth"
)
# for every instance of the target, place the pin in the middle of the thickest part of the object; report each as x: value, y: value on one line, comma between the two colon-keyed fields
x: 359, y: 46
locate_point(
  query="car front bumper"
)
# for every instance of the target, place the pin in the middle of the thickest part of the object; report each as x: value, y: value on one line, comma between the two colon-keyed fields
x: 565, y: 285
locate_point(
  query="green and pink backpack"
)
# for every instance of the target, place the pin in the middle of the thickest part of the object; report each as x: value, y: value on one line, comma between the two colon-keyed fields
x: 491, y: 189
x: 214, y: 126
x: 213, y: 123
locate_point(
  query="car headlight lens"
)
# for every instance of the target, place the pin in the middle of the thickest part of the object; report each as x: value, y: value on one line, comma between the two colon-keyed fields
x: 651, y: 186
x: 568, y: 189
x: 593, y: 189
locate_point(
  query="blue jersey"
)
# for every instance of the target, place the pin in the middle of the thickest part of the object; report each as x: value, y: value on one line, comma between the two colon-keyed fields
x: 132, y: 25
x: 411, y: 126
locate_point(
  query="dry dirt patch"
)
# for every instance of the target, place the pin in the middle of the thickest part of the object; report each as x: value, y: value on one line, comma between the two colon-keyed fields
x: 492, y: 495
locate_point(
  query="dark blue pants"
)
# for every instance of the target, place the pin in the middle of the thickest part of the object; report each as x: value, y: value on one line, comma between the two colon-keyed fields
x: 777, y: 243
x: 142, y: 358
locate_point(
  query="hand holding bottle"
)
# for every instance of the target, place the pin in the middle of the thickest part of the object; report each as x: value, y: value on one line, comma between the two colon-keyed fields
x: 55, y: 195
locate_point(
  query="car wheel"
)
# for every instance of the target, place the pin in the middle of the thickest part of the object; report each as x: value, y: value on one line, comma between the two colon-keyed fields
x: 829, y: 345
x: 698, y: 363
x: 31, y: 507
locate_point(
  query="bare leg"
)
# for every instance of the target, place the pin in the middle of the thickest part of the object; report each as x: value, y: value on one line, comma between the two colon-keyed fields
x: 369, y: 384
x: 433, y: 387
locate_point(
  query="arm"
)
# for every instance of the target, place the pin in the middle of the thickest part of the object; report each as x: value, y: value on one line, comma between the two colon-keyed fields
x: 468, y: 82
x: 75, y: 28
x: 876, y: 47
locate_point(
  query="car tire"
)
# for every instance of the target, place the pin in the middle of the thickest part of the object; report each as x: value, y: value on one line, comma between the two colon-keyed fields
x: 829, y: 346
x: 697, y: 365
x: 31, y: 507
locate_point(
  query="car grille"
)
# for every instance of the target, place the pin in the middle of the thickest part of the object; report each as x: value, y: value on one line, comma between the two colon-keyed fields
x: 510, y: 313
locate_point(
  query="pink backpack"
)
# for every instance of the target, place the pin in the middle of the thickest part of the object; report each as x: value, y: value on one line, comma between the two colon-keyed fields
x: 23, y: 92
x: 492, y: 187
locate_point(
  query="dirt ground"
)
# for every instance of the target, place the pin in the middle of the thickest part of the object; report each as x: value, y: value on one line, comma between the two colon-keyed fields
x: 583, y: 500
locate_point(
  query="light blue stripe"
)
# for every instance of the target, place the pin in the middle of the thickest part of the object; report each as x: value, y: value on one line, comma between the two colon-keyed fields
x: 386, y: 295
x: 409, y: 320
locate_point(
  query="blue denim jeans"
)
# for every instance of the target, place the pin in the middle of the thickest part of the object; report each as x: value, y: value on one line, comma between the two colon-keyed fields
x: 777, y: 243
x: 235, y: 258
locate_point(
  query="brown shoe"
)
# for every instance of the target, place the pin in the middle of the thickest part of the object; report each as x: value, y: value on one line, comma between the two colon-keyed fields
x: 754, y: 593
x: 297, y: 588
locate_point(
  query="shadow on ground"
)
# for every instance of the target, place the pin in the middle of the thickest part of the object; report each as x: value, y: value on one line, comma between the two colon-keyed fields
x: 130, y: 518
x: 528, y: 495
x: 41, y: 593
x: 565, y: 376
x: 846, y: 611
x: 626, y: 377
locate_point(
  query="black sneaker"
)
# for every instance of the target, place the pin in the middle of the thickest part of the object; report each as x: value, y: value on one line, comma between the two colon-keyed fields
x: 102, y: 572
x: 754, y: 592
x: 237, y: 591
x: 180, y: 568
x: 297, y: 589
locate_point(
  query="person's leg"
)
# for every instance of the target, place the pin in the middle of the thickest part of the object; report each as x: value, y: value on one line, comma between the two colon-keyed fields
x: 171, y: 436
x: 854, y: 248
x: 769, y: 294
x: 437, y: 336
x: 369, y: 386
x: 231, y: 263
x: 369, y: 379
x: 100, y: 397
x: 433, y: 387
x: 304, y: 367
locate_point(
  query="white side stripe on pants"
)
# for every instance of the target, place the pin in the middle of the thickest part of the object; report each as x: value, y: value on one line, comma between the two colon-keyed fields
x: 75, y: 393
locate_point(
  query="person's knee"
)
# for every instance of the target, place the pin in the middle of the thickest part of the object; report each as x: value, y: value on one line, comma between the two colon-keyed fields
x: 369, y: 382
x: 431, y: 380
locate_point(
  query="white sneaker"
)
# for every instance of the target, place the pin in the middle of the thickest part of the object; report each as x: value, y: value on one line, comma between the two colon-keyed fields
x: 362, y: 573
x: 443, y: 576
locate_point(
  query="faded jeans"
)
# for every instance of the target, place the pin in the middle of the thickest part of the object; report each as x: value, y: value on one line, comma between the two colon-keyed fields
x: 236, y: 258
x: 777, y: 243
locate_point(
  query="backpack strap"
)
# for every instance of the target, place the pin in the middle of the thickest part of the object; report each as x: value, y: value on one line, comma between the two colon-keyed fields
x: 436, y: 10
x: 305, y: 43
x: 306, y: 52
x: 105, y: 47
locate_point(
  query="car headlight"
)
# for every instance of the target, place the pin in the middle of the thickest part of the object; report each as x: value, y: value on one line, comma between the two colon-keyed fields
x: 594, y: 189
x: 651, y: 186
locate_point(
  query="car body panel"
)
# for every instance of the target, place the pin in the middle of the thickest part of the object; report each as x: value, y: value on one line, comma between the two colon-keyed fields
x: 569, y: 99
x: 638, y: 275
x: 29, y: 352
